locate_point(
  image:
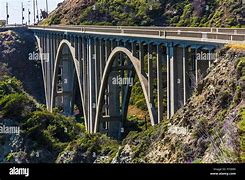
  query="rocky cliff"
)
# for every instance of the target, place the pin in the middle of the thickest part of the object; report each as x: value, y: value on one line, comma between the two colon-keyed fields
x: 15, y: 47
x: 225, y: 13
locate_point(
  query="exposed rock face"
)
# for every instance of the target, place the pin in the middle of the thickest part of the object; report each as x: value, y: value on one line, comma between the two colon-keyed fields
x: 199, y: 7
x: 69, y: 11
x: 124, y: 155
x: 158, y: 13
x: 15, y: 47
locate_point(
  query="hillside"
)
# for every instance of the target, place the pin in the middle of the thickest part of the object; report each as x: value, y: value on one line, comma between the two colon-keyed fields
x: 211, y: 124
x: 15, y: 47
x: 225, y: 13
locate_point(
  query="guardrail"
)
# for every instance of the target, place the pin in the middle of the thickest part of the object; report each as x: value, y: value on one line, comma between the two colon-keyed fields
x: 197, y: 29
x: 163, y: 32
x: 13, y: 25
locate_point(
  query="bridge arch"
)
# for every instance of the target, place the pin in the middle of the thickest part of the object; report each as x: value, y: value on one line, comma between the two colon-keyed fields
x: 66, y: 44
x: 42, y: 65
x: 143, y: 81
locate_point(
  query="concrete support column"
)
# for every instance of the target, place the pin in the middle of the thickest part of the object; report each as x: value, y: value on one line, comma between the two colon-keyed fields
x: 196, y: 67
x: 92, y: 95
x: 204, y: 62
x: 170, y: 81
x: 178, y: 78
x: 122, y: 87
x: 48, y: 72
x: 184, y: 74
x: 113, y: 44
x: 114, y: 127
x: 85, y: 78
x: 159, y: 84
x: 107, y: 49
x: 67, y: 77
x: 150, y: 75
x: 107, y: 54
x: 114, y: 124
x: 188, y: 69
x: 134, y: 50
x: 55, y: 45
x: 52, y: 60
x: 209, y: 58
x: 79, y: 51
x: 97, y: 67
x: 43, y: 68
x: 102, y: 58
x: 141, y: 57
x: 77, y: 47
x: 44, y: 39
x: 79, y: 58
x: 51, y: 56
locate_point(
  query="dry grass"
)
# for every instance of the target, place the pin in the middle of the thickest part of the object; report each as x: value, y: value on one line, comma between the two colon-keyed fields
x: 134, y: 111
x: 236, y: 46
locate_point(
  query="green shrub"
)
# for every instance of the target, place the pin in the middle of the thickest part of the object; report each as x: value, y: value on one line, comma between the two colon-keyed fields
x: 241, y: 124
x: 10, y: 157
x: 52, y: 131
x: 225, y: 99
x: 55, y: 19
x: 197, y: 161
x: 241, y: 127
x: 16, y: 106
x: 9, y: 85
x: 55, y: 125
x: 241, y: 67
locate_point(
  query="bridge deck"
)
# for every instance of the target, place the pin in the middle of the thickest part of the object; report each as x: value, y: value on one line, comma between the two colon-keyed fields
x: 210, y: 35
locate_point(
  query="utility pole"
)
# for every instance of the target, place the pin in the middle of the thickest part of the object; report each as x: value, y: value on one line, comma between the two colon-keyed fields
x: 22, y: 13
x: 34, y: 12
x: 29, y: 13
x: 37, y: 12
x: 47, y: 6
x: 7, y: 13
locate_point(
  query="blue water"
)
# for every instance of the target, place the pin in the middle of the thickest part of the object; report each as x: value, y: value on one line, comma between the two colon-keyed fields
x: 15, y: 9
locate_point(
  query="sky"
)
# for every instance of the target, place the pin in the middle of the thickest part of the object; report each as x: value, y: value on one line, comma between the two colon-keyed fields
x: 15, y: 9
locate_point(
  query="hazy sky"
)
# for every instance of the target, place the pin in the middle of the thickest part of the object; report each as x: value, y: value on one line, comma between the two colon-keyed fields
x: 15, y: 9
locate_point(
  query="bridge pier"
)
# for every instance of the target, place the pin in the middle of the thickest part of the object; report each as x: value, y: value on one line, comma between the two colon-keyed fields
x: 114, y: 127
x: 67, y: 82
x: 159, y: 84
x: 179, y: 73
x: 170, y: 82
x: 91, y: 79
x: 177, y: 80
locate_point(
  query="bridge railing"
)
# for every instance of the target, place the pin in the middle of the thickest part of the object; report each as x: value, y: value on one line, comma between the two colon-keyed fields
x: 13, y: 25
x: 168, y: 32
x: 197, y: 29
